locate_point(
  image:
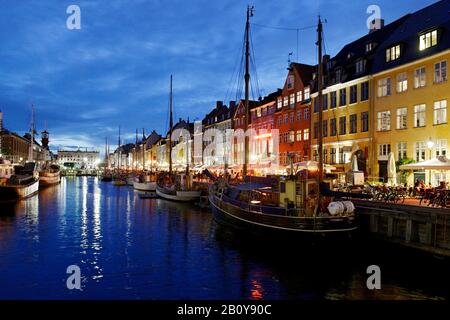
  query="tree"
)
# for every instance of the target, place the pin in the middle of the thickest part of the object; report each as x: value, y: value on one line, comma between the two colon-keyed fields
x: 403, y: 174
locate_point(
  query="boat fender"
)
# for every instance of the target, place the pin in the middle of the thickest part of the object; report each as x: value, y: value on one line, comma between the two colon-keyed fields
x: 336, y: 208
x: 349, y: 206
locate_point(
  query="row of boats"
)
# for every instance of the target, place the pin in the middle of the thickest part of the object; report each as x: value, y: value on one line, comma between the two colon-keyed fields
x: 22, y: 181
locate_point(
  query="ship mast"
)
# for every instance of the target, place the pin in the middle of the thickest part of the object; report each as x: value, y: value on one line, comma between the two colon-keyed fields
x: 135, y: 151
x: 170, y: 131
x: 143, y: 149
x: 118, y: 153
x: 106, y: 153
x: 31, y: 149
x: 247, y: 80
x: 319, y: 100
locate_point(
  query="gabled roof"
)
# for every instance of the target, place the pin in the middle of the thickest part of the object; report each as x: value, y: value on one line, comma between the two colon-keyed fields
x: 435, y: 16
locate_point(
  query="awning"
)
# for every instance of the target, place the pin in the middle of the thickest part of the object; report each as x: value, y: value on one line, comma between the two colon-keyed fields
x: 439, y: 163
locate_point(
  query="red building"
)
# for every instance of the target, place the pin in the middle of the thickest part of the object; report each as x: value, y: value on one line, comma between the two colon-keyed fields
x: 293, y: 114
x: 238, y: 145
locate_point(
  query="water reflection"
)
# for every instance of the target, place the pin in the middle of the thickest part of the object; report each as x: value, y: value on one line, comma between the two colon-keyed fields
x: 135, y: 248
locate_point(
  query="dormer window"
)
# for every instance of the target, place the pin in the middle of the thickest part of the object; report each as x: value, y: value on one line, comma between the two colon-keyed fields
x: 393, y: 53
x: 290, y: 82
x: 338, y: 75
x: 360, y: 66
x: 370, y: 46
x: 428, y: 40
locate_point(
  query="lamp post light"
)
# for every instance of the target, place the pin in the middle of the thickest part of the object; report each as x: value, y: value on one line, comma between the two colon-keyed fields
x: 430, y: 145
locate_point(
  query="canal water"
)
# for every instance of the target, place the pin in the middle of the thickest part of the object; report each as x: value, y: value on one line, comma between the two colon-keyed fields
x: 132, y: 248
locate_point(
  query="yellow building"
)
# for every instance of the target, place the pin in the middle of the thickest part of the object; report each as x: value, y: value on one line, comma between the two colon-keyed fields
x: 412, y: 93
x: 347, y: 101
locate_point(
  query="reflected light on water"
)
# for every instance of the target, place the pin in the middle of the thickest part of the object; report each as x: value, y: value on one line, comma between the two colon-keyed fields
x: 256, y: 290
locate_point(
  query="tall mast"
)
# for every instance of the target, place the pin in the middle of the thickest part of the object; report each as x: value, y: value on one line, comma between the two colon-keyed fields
x: 135, y: 151
x: 119, y: 152
x: 30, y: 150
x: 187, y: 151
x: 170, y: 131
x: 143, y: 149
x: 319, y: 97
x: 106, y: 153
x: 247, y: 80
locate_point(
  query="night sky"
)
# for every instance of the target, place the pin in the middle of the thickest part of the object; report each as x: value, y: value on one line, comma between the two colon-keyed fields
x: 115, y: 70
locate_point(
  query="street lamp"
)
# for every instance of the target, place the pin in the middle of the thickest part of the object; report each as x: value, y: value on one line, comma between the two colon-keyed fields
x: 430, y: 145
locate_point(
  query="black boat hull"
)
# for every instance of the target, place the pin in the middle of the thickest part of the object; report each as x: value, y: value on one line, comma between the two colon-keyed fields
x: 262, y: 226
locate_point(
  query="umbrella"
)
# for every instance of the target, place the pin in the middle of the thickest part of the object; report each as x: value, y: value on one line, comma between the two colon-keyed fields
x: 355, y: 163
x: 392, y: 171
x: 312, y: 165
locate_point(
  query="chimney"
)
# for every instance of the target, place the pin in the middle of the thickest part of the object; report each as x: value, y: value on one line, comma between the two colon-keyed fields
x: 219, y: 104
x: 376, y: 24
x: 232, y: 104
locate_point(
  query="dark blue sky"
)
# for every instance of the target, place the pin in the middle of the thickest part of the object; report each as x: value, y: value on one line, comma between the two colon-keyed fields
x: 115, y: 70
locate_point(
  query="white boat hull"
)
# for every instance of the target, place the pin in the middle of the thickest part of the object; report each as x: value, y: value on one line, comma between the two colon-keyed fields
x: 144, y: 186
x: 18, y: 192
x: 182, y: 196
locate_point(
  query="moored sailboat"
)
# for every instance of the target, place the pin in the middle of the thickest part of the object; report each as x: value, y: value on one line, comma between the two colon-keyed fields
x: 176, y: 187
x: 291, y: 207
x: 117, y: 179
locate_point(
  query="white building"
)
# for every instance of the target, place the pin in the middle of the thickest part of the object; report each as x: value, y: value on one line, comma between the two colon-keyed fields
x: 79, y: 158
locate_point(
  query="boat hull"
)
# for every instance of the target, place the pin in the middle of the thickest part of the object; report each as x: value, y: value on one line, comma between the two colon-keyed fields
x: 119, y: 183
x: 278, y: 227
x: 49, y: 179
x: 181, y: 196
x: 144, y: 186
x: 19, y: 192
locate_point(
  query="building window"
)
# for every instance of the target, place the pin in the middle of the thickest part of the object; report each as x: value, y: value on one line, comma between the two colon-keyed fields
x: 364, y: 121
x: 299, y: 115
x: 325, y: 156
x: 440, y: 72
x: 353, y: 123
x: 401, y: 150
x: 402, y: 116
x: 353, y: 94
x: 342, y: 97
x: 306, y: 93
x: 306, y: 134
x: 292, y: 117
x: 441, y: 147
x: 325, y: 128
x: 306, y: 114
x: 369, y: 46
x: 342, y: 125
x: 316, y: 130
x: 285, y: 101
x: 333, y: 127
x: 384, y: 121
x: 420, y: 149
x: 286, y: 118
x: 280, y: 121
x: 325, y: 102
x: 440, y: 112
x: 365, y: 91
x: 384, y: 149
x: 384, y: 87
x: 292, y: 100
x: 420, y: 79
x: 315, y: 155
x: 419, y: 115
x: 316, y: 105
x: 333, y: 100
x: 360, y: 66
x: 299, y: 96
x: 299, y: 135
x: 393, y: 53
x: 428, y: 40
x: 338, y: 75
x: 341, y: 156
x: 279, y: 103
x: 291, y: 136
x: 332, y: 155
x: 290, y: 82
x: 402, y: 82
